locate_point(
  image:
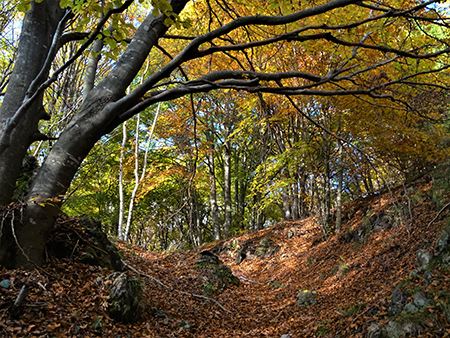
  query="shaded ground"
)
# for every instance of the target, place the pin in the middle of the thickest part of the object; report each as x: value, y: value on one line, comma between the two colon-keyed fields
x: 353, y: 273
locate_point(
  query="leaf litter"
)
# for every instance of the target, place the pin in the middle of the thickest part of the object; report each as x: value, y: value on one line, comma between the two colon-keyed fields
x: 353, y: 281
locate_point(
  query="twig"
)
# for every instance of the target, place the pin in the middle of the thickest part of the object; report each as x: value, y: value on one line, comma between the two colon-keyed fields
x: 145, y: 275
x: 182, y: 292
x: 439, y: 213
x: 362, y: 314
x: 204, y: 297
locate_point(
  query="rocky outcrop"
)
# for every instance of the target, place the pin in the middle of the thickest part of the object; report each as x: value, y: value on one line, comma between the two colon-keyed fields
x: 82, y: 238
x: 126, y: 298
x: 214, y: 276
x: 250, y: 249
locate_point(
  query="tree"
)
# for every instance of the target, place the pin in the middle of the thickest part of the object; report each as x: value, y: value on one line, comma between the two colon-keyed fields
x: 345, y: 47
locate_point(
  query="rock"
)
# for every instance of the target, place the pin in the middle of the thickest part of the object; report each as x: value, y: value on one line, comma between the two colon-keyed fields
x: 126, y: 301
x: 394, y: 330
x: 398, y: 300
x: 306, y: 298
x: 428, y: 277
x: 375, y: 331
x: 412, y: 329
x: 406, y: 329
x: 208, y: 257
x: 6, y: 283
x: 423, y: 258
x: 240, y: 256
x: 410, y: 308
x: 84, y: 238
x: 214, y: 276
x: 441, y: 243
x: 264, y: 245
x: 420, y: 300
x: 186, y: 326
x: 414, y: 274
x: 265, y: 242
x: 445, y: 260
x: 289, y: 235
x: 287, y: 335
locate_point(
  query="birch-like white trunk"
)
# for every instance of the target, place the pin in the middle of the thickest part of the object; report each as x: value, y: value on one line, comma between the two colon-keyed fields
x: 138, y: 180
x: 121, y: 197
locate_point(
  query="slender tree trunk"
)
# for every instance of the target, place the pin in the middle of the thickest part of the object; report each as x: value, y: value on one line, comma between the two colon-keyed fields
x: 295, y: 201
x: 258, y: 214
x: 339, y: 191
x: 121, y: 196
x: 213, y: 199
x: 136, y: 179
x: 286, y: 205
x: 198, y: 221
x: 213, y: 184
x: 227, y: 181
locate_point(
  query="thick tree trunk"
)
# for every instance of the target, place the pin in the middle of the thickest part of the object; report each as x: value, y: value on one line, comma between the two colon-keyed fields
x: 87, y: 126
x: 35, y: 41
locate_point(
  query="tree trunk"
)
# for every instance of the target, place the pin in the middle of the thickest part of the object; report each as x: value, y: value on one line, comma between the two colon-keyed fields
x: 212, y: 179
x: 121, y: 196
x: 35, y: 39
x: 90, y: 122
x: 227, y: 181
x: 286, y: 205
x: 339, y: 191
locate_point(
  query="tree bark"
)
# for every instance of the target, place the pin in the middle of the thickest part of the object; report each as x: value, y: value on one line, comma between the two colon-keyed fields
x: 339, y: 191
x: 227, y: 178
x: 35, y: 41
x: 121, y: 195
x: 214, y: 214
x: 87, y: 126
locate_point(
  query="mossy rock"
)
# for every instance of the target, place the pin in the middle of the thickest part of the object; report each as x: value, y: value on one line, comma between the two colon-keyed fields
x: 214, y: 276
x: 126, y: 298
x: 82, y: 238
x: 225, y: 275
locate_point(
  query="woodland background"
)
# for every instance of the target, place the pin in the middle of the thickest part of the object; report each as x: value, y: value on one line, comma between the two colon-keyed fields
x: 356, y: 106
x: 304, y: 144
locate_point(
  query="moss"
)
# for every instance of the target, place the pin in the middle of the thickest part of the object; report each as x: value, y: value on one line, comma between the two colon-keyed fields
x: 322, y: 329
x: 354, y: 309
x: 225, y: 275
x: 126, y: 302
x: 260, y: 251
x: 204, y: 265
x: 265, y: 242
x: 403, y: 283
x: 209, y: 289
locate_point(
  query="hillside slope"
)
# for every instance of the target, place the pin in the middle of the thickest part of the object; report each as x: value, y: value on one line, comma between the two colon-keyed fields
x: 353, y: 276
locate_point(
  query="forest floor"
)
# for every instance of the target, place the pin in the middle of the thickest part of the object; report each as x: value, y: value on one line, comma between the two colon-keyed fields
x: 354, y: 278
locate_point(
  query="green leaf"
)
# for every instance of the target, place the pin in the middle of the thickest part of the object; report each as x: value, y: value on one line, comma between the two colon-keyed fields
x: 24, y: 7
x: 111, y: 43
